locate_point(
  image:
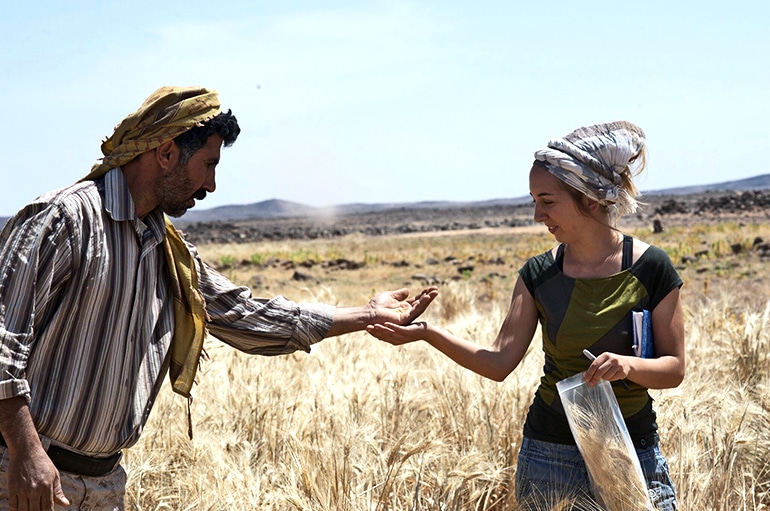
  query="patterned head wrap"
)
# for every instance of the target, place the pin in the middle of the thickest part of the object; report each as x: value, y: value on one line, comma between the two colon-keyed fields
x: 167, y: 113
x: 596, y: 160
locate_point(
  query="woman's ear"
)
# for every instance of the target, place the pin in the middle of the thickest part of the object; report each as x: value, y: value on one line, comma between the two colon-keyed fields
x: 590, y: 204
x: 167, y: 155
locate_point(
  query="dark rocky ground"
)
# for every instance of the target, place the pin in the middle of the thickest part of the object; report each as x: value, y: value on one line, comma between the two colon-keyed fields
x: 660, y: 210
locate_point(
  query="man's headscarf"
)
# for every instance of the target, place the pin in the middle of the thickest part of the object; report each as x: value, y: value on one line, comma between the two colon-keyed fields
x: 167, y: 113
x: 596, y: 161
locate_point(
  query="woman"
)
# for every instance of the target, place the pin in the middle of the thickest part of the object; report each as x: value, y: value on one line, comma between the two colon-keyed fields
x: 582, y: 293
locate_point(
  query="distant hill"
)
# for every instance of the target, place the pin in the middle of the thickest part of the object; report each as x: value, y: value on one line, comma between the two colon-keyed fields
x: 741, y: 185
x: 276, y: 208
x: 273, y: 208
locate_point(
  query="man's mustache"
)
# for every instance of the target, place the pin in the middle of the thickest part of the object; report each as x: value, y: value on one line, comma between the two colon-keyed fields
x: 200, y: 194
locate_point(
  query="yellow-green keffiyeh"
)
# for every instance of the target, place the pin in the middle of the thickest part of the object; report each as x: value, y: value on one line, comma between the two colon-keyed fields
x: 167, y: 113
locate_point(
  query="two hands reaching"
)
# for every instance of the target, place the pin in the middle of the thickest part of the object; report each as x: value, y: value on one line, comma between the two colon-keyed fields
x: 395, y: 315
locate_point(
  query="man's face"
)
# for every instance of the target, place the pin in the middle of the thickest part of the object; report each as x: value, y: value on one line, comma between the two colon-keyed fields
x: 186, y: 183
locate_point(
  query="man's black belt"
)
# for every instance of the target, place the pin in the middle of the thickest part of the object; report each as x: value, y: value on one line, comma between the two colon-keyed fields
x: 76, y: 463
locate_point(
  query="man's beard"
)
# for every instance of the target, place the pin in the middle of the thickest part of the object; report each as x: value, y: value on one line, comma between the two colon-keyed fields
x: 172, y: 192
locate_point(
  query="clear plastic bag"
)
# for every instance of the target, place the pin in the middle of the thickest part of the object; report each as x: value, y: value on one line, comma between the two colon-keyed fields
x: 603, y: 440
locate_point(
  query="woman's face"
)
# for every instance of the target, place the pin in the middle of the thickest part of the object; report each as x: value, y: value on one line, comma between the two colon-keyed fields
x: 555, y: 207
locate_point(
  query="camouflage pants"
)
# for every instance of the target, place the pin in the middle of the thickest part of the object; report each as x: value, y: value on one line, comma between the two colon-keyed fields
x: 84, y: 493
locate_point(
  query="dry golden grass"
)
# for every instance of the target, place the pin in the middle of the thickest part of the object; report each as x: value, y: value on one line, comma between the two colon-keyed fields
x: 360, y: 425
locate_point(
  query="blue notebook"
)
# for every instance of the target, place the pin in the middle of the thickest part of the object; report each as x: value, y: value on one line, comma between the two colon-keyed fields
x: 643, y: 345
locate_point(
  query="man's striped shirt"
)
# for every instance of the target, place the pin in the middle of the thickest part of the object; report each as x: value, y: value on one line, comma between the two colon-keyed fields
x: 86, y: 314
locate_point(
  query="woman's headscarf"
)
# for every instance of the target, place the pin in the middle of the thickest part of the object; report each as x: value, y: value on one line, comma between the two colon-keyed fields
x: 596, y: 160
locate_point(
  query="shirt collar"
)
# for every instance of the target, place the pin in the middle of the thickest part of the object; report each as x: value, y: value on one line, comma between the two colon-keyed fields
x: 117, y: 196
x: 119, y: 204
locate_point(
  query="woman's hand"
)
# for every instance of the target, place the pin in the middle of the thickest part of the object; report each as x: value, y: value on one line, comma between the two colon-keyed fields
x: 398, y: 335
x: 608, y: 366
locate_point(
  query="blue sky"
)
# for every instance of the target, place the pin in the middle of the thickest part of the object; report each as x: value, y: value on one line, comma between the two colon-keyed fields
x: 374, y: 101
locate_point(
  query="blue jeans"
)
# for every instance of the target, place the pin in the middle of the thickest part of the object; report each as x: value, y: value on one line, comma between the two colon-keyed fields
x: 548, y: 474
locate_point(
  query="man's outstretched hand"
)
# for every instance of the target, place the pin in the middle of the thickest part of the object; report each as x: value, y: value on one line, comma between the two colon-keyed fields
x: 386, y: 307
x: 395, y: 307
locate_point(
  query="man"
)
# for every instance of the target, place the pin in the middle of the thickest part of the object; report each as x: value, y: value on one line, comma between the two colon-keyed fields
x: 100, y: 297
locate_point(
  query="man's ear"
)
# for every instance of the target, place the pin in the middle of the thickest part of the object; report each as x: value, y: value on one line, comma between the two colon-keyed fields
x: 167, y: 155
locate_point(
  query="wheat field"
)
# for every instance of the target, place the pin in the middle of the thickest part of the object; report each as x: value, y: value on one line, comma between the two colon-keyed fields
x: 359, y: 425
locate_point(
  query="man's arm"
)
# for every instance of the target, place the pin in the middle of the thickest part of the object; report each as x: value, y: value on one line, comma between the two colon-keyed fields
x: 386, y: 307
x: 33, y: 481
x: 278, y: 326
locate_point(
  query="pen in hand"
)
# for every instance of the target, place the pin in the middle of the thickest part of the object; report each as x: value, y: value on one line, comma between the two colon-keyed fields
x: 590, y: 356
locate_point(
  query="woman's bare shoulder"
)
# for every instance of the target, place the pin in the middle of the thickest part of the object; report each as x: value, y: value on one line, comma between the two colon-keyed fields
x: 640, y: 247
